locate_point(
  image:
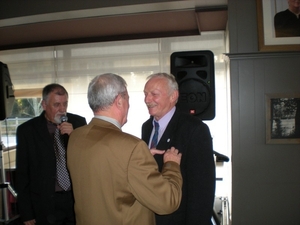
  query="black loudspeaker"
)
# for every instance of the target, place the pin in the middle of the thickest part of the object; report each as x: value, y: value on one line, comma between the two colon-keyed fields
x: 7, y: 97
x: 194, y: 72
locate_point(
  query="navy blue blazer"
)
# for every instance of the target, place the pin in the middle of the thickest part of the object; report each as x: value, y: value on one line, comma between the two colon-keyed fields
x: 192, y: 138
x: 36, y: 166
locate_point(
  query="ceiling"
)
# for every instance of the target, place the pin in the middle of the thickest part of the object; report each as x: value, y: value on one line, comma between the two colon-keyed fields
x: 28, y: 25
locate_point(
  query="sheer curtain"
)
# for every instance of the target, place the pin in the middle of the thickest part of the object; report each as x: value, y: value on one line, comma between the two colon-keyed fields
x: 74, y: 66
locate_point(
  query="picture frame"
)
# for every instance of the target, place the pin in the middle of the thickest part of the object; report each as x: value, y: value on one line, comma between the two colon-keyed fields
x: 267, y: 40
x: 283, y: 118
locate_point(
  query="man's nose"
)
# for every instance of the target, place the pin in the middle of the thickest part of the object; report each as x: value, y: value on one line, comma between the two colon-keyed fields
x: 62, y: 108
x: 147, y: 98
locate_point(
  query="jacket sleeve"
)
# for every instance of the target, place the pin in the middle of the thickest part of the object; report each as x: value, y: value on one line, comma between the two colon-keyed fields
x: 160, y: 192
x: 22, y: 177
x: 200, y: 175
x: 76, y: 120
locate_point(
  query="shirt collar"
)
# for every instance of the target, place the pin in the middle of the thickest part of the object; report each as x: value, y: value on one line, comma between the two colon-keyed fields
x: 163, y: 122
x: 110, y: 120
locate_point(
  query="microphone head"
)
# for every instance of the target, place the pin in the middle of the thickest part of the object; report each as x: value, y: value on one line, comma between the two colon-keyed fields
x: 63, y: 118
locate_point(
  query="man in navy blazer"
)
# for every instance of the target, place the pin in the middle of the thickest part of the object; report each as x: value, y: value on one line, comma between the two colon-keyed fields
x: 192, y: 138
x: 41, y: 200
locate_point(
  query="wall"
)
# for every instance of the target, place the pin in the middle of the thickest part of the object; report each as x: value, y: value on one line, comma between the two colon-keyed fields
x: 266, y: 177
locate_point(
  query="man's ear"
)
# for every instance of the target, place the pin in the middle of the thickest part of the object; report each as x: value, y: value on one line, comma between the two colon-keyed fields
x: 44, y: 104
x: 118, y: 100
x: 174, y: 96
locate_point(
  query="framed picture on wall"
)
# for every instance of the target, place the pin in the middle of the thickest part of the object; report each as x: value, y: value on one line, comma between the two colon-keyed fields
x: 283, y: 118
x: 277, y: 29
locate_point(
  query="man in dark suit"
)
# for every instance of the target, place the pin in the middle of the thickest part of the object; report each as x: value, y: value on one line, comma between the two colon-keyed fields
x: 41, y: 199
x: 287, y: 22
x: 192, y: 138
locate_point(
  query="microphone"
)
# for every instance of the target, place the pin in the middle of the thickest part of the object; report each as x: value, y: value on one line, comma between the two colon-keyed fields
x: 63, y: 118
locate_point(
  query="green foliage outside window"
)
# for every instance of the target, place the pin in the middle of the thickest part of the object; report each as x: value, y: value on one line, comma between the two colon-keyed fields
x: 23, y: 110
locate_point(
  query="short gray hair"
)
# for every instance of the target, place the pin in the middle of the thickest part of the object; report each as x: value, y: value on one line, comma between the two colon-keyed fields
x: 54, y: 87
x: 172, y: 84
x: 103, y: 90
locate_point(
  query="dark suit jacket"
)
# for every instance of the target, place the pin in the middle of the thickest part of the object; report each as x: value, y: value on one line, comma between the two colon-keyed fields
x: 192, y: 138
x: 36, y: 167
x: 287, y: 24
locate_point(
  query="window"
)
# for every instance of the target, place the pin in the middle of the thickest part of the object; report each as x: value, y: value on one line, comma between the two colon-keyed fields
x: 26, y: 106
x: 74, y: 66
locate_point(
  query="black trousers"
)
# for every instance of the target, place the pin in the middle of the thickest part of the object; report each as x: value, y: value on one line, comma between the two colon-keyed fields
x: 64, y: 209
x: 63, y: 215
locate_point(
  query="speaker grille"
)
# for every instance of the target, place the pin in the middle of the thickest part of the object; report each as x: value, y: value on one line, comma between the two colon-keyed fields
x: 194, y: 73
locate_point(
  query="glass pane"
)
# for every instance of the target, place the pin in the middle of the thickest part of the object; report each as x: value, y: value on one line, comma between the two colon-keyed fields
x: 75, y: 65
x: 22, y: 110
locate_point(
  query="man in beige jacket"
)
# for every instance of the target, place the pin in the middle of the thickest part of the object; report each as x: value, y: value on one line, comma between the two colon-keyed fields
x: 114, y: 176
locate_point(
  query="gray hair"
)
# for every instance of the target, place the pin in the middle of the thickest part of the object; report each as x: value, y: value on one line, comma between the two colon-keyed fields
x: 104, y: 89
x: 172, y: 84
x: 54, y: 87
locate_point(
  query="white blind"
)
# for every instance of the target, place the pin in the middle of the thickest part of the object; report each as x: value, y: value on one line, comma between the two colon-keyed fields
x: 74, y: 66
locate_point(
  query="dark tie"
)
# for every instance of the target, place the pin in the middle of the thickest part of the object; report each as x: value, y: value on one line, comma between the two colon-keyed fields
x: 62, y: 174
x: 155, y: 136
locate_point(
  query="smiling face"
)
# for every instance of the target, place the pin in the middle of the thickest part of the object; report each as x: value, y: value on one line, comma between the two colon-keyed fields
x: 55, y: 106
x: 159, y: 98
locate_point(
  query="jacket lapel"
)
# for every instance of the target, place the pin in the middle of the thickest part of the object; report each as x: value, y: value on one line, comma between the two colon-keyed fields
x: 42, y: 130
x: 167, y: 138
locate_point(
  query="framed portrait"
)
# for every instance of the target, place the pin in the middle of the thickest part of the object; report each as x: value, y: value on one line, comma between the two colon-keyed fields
x: 272, y: 34
x: 283, y: 118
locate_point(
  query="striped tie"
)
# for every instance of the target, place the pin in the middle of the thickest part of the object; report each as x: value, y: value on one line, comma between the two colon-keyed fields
x: 155, y: 136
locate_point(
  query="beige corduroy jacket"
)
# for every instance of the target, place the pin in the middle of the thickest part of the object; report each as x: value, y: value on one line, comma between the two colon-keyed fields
x: 116, y: 180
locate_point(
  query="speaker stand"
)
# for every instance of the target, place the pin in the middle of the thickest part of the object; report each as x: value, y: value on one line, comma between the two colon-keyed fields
x: 6, y: 188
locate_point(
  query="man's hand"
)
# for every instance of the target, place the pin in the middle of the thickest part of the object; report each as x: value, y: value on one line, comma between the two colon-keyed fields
x: 172, y: 155
x: 30, y: 222
x: 65, y: 128
x: 155, y: 151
